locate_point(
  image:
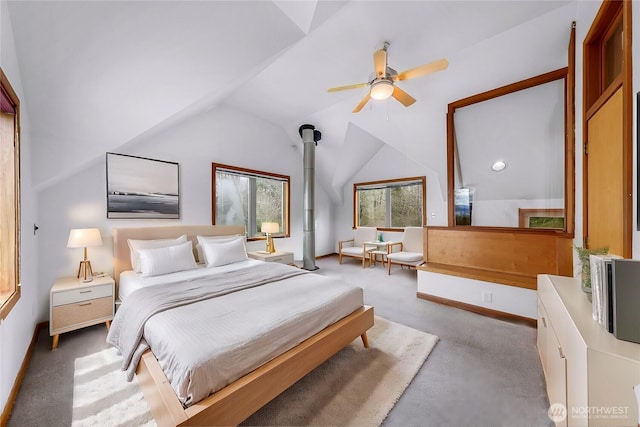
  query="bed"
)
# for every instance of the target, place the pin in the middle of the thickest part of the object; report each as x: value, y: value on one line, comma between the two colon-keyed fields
x: 345, y: 316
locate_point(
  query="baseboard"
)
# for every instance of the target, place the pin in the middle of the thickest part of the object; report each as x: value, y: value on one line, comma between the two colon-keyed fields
x: 501, y: 315
x: 327, y: 255
x: 6, y: 412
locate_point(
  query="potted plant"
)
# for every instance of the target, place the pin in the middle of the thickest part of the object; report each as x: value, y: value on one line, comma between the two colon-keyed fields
x: 583, y: 257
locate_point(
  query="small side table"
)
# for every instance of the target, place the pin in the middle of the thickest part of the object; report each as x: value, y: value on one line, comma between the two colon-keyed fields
x: 282, y: 257
x: 378, y: 249
x: 75, y: 304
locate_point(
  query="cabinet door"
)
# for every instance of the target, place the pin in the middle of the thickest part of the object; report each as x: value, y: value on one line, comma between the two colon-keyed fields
x: 556, y: 374
x: 554, y: 364
x: 543, y: 332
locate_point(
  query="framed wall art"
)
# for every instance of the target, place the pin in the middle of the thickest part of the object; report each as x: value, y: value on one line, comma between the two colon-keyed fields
x: 138, y: 187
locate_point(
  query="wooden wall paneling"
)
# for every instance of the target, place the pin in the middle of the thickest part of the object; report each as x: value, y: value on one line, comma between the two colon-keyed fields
x: 511, y: 257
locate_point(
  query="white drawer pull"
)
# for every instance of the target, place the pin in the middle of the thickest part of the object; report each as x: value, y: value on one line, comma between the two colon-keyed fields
x: 561, y: 353
x: 544, y: 322
x: 86, y: 303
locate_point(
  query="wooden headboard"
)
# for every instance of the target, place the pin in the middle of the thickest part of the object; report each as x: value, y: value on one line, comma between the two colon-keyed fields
x: 121, y: 255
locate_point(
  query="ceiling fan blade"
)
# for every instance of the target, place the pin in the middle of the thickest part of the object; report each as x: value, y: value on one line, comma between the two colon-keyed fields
x: 380, y: 63
x: 403, y: 97
x: 339, y: 88
x: 362, y: 103
x: 422, y: 70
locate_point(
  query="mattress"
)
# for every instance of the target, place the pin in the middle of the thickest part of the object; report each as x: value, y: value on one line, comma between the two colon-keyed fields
x: 205, y: 345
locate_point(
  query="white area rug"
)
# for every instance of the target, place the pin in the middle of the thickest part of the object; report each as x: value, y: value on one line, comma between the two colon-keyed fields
x: 103, y: 397
x: 357, y: 386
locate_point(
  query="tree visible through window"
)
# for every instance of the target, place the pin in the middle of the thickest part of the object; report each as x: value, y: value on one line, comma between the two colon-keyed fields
x: 250, y: 198
x: 9, y: 197
x: 393, y: 203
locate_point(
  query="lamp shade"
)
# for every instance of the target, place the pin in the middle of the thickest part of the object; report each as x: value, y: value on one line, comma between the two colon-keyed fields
x: 270, y: 227
x: 84, y: 237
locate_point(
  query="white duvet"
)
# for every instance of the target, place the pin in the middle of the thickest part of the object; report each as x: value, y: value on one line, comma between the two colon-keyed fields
x: 208, y: 344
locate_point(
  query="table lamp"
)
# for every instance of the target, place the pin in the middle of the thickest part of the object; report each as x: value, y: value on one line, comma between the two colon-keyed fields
x: 83, y: 238
x: 269, y: 228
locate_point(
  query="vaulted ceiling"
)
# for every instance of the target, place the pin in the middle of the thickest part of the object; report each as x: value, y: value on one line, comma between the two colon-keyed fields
x: 99, y: 75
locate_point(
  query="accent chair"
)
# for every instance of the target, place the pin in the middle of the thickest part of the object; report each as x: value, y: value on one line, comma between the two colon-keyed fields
x: 356, y: 247
x: 411, y: 250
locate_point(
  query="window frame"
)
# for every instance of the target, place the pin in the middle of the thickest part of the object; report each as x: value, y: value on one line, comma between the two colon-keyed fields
x: 10, y: 294
x: 286, y: 226
x: 388, y: 184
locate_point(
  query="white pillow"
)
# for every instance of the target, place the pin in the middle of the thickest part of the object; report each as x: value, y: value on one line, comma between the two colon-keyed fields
x: 136, y: 245
x: 169, y: 259
x: 211, y: 239
x: 224, y: 253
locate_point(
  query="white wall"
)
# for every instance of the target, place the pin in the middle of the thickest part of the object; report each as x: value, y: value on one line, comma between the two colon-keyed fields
x: 389, y: 163
x: 17, y: 329
x: 586, y: 14
x: 508, y: 299
x: 222, y: 135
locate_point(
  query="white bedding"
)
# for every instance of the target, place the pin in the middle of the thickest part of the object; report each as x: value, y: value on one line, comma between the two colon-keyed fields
x: 206, y: 345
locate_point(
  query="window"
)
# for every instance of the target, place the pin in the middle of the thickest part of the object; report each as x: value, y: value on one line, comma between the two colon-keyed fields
x: 250, y: 198
x: 613, y: 55
x: 393, y: 203
x: 9, y: 197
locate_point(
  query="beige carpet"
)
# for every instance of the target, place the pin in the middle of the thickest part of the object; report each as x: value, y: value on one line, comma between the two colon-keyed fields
x: 356, y: 387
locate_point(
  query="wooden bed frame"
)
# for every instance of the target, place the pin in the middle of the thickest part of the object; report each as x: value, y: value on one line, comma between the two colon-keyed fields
x: 237, y: 401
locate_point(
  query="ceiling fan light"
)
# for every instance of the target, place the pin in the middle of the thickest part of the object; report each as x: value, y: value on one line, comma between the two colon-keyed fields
x: 382, y: 89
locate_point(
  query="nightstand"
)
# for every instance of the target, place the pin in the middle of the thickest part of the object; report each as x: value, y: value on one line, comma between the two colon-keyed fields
x: 278, y: 256
x: 75, y: 304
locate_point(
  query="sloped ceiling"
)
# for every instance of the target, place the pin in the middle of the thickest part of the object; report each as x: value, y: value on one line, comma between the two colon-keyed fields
x: 97, y: 74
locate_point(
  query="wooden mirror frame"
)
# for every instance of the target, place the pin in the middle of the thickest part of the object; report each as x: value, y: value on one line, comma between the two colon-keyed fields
x: 569, y: 186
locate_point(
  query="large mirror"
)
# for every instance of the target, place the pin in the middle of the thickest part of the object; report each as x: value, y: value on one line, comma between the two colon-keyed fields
x: 507, y: 150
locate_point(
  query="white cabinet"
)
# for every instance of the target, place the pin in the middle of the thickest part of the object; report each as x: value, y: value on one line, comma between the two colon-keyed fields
x: 586, y: 368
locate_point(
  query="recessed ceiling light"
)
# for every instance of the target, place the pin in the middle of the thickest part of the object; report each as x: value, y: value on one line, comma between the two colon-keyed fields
x: 498, y: 166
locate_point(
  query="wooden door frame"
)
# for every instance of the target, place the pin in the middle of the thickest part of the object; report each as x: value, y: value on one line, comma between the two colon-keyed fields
x: 595, y: 95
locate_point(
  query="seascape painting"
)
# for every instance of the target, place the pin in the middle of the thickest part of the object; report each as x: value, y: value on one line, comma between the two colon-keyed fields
x: 142, y: 188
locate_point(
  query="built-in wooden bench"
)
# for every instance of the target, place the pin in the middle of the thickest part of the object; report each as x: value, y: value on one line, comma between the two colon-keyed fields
x: 512, y: 279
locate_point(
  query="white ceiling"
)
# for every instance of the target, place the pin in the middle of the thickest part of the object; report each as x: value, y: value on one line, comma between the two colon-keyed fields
x: 99, y: 75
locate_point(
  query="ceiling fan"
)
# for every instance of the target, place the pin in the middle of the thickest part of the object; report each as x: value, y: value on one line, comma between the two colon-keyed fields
x: 382, y: 81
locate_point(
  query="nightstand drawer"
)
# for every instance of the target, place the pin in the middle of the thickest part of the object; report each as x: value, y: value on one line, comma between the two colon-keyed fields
x: 283, y: 259
x: 80, y: 312
x: 81, y: 294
